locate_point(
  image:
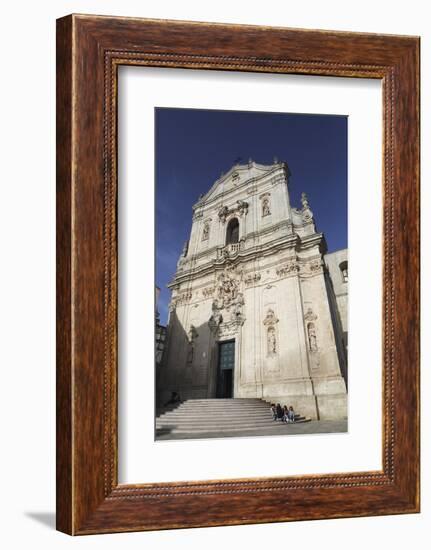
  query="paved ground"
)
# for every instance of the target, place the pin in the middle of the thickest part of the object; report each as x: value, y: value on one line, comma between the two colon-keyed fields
x: 275, y: 428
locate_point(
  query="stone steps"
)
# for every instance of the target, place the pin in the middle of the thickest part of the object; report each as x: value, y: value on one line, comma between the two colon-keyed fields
x: 264, y: 415
x: 227, y: 410
x: 204, y: 426
x: 214, y: 416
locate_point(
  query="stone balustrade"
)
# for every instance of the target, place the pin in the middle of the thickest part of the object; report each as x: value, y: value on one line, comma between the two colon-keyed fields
x: 229, y: 250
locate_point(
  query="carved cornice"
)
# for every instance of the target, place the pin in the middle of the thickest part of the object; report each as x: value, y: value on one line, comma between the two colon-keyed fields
x: 248, y: 237
x: 225, y: 330
x: 267, y: 249
x: 275, y: 173
x: 271, y: 229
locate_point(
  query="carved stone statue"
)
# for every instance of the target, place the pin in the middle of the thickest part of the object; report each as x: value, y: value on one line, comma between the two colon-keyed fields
x: 312, y: 339
x: 270, y: 322
x: 307, y: 214
x: 206, y: 232
x: 216, y: 318
x: 192, y: 335
x: 270, y: 318
x: 242, y: 207
x: 265, y: 207
x: 272, y: 341
x: 190, y: 352
x: 223, y: 213
x: 237, y: 308
x: 310, y: 316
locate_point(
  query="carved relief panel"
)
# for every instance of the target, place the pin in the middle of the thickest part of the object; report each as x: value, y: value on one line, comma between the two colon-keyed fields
x: 228, y: 304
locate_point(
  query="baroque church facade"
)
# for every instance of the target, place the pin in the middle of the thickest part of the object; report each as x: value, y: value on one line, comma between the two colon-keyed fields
x: 258, y: 309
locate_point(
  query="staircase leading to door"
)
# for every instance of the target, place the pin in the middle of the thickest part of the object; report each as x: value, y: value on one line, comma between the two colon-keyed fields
x: 213, y: 417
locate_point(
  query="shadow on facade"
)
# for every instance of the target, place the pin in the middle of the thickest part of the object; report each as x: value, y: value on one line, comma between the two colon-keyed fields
x: 340, y: 335
x: 192, y: 358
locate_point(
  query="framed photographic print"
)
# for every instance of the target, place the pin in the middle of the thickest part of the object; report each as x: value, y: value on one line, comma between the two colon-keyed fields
x: 237, y: 274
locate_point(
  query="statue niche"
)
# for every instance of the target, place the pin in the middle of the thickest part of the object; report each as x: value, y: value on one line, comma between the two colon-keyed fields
x: 192, y: 335
x: 270, y: 323
x: 312, y: 338
x: 206, y: 231
x: 265, y: 204
x: 271, y: 341
x: 265, y: 207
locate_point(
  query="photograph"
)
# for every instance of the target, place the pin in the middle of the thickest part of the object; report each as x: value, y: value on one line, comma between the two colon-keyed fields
x: 251, y: 271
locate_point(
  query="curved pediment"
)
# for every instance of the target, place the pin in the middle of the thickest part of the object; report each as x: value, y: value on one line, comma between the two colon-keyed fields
x: 237, y: 175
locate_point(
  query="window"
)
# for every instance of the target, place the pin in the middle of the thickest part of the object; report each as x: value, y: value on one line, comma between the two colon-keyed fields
x: 232, y: 232
x: 344, y: 272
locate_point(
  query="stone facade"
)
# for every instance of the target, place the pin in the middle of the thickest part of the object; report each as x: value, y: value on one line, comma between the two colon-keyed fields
x: 253, y: 274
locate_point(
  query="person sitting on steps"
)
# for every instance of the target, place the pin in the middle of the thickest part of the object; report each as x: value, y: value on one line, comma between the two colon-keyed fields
x: 273, y: 412
x: 291, y: 414
x: 279, y: 412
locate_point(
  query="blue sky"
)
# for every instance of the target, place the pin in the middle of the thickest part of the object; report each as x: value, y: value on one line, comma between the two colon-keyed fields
x: 194, y: 146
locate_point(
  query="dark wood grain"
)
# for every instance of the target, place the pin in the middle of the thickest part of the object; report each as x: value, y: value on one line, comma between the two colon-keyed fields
x: 90, y: 49
x: 64, y: 288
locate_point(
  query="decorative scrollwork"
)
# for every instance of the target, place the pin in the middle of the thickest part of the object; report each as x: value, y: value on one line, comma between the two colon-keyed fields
x: 183, y: 298
x: 287, y: 269
x: 240, y: 209
x: 252, y: 279
x: 208, y: 292
x: 311, y: 268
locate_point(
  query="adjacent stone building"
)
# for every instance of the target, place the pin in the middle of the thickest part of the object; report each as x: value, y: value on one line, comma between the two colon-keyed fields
x: 256, y: 310
x: 160, y: 332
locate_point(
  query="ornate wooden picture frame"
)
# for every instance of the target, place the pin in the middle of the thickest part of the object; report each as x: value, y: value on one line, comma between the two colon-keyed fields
x: 89, y: 51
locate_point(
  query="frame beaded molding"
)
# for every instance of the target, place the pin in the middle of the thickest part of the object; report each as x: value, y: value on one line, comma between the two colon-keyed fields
x: 251, y: 64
